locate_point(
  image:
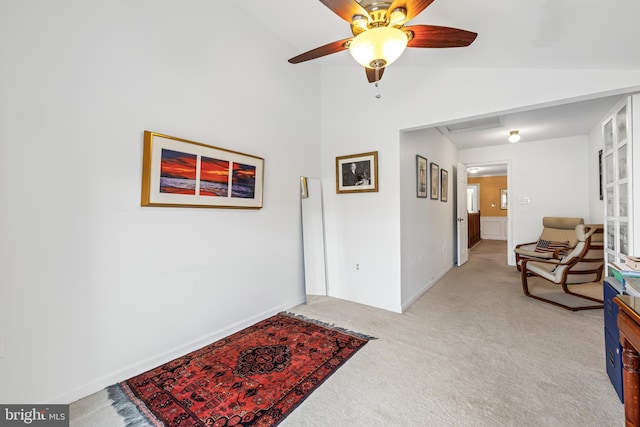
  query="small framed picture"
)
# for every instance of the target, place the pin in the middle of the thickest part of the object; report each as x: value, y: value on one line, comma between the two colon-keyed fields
x: 435, y: 170
x: 421, y: 177
x: 357, y: 173
x: 600, y: 173
x: 304, y: 188
x: 444, y: 185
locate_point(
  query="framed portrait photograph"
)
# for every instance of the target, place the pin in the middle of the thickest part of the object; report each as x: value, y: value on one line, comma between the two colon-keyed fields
x: 421, y: 177
x: 180, y: 173
x: 357, y: 173
x: 435, y: 171
x: 444, y: 185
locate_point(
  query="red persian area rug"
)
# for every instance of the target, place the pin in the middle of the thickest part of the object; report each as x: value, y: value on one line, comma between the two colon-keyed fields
x: 254, y: 377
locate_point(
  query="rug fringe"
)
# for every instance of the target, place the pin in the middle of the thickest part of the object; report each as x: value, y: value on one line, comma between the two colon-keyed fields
x: 328, y: 325
x: 128, y: 410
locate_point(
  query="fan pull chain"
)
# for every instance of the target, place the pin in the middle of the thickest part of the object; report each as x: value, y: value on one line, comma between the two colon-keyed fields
x: 378, y: 75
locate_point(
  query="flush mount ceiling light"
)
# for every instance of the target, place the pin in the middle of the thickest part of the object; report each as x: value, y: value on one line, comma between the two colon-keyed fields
x: 472, y: 170
x: 380, y: 35
x: 514, y: 136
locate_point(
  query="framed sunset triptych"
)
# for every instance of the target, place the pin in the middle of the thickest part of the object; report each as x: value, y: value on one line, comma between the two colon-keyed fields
x: 178, y: 172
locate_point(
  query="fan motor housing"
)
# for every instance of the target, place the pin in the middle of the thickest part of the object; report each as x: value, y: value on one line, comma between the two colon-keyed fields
x: 373, y: 5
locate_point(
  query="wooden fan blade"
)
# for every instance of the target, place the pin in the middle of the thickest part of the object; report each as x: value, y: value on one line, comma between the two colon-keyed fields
x: 328, y: 49
x: 435, y: 36
x: 374, y: 76
x: 346, y: 9
x: 414, y: 7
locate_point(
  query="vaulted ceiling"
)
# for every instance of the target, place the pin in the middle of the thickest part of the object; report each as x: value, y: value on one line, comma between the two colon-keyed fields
x: 511, y: 33
x: 544, y: 34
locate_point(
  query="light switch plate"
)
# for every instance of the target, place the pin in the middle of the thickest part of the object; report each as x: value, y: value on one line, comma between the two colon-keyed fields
x: 525, y: 201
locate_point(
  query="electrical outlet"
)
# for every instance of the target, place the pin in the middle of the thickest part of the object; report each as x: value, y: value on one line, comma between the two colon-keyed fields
x: 357, y: 266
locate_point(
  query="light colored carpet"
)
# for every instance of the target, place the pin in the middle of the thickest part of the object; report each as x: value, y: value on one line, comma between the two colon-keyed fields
x: 472, y: 351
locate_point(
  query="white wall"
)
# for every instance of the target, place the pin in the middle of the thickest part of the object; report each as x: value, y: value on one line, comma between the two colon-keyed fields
x: 425, y: 223
x: 93, y: 287
x: 365, y: 228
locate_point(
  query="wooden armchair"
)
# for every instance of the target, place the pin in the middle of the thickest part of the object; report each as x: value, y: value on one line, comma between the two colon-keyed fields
x: 558, y: 237
x: 583, y: 264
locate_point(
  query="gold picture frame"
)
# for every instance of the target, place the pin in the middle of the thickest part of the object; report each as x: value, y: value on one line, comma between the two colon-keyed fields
x: 304, y: 188
x: 177, y: 172
x: 504, y: 199
x: 357, y: 173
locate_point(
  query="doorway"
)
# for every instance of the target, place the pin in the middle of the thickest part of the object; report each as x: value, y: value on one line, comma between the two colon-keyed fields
x: 489, y: 185
x: 473, y: 214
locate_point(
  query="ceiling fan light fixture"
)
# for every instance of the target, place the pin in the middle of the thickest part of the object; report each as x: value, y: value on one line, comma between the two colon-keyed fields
x: 378, y: 47
x: 359, y: 24
x: 397, y: 17
x: 514, y: 136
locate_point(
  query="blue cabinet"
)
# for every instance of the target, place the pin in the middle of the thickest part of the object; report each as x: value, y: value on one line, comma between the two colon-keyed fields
x: 613, y: 349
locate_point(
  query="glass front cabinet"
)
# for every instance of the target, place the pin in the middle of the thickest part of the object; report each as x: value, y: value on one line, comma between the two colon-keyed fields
x: 617, y: 183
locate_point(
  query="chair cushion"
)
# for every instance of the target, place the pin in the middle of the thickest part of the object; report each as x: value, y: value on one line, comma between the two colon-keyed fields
x: 546, y: 270
x: 561, y: 222
x: 559, y: 229
x: 551, y: 246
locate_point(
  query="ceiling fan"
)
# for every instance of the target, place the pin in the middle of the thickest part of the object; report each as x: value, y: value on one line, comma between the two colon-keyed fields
x: 379, y: 34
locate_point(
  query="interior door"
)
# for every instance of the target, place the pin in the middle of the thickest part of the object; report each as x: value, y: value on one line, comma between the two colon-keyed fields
x: 461, y: 215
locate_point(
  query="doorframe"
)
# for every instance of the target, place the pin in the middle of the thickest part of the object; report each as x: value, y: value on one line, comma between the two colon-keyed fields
x: 511, y: 258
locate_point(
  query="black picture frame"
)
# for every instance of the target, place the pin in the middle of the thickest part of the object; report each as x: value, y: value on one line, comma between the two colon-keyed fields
x: 422, y: 180
x: 435, y: 172
x: 600, y: 173
x: 444, y: 185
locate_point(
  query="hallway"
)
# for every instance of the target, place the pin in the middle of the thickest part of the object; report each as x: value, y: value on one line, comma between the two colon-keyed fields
x: 494, y: 251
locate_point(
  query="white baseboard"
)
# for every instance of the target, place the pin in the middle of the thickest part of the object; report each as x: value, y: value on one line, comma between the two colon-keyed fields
x: 143, y: 366
x: 424, y: 289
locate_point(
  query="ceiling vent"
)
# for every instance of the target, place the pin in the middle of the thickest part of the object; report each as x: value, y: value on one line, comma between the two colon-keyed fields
x: 471, y: 125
